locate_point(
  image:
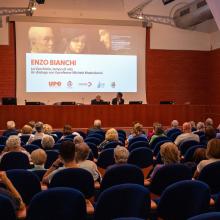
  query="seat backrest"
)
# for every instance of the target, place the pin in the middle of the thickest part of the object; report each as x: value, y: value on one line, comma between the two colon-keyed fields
x: 106, y: 158
x: 93, y: 148
x: 172, y: 131
x: 207, y: 216
x: 185, y: 145
x: 112, y: 144
x: 58, y: 133
x: 14, y: 160
x: 210, y: 175
x: 52, y: 155
x: 168, y: 175
x: 188, y: 156
x: 158, y: 139
x: 77, y: 178
x: 31, y: 147
x: 25, y: 138
x: 7, y: 211
x: 141, y: 157
x: 39, y: 173
x: 174, y: 135
x: 134, y: 139
x: 93, y: 140
x: 184, y: 199
x: 119, y: 174
x: 123, y: 200
x: 37, y: 142
x: 25, y: 182
x: 57, y: 203
x: 96, y: 135
x: 128, y: 218
x: 138, y: 144
x: 3, y: 140
x: 121, y: 133
x: 156, y: 148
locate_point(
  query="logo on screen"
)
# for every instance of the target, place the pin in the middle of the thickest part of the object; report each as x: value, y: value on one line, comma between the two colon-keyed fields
x: 100, y: 85
x: 113, y: 84
x: 54, y: 83
x: 69, y: 84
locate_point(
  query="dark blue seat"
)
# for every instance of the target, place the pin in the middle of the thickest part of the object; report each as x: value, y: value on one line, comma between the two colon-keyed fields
x: 138, y: 144
x: 93, y: 140
x: 82, y: 134
x: 121, y: 133
x: 37, y: 142
x: 59, y: 134
x: 39, y: 173
x: 30, y: 147
x: 128, y: 218
x: 56, y: 204
x: 96, y: 135
x: 184, y: 199
x: 26, y: 182
x: 157, y: 140
x: 3, y: 140
x: 106, y: 158
x: 52, y: 155
x: 93, y: 148
x: 57, y: 146
x: 119, y: 174
x: 1, y: 148
x: 143, y: 158
x: 188, y: 156
x: 185, y: 145
x: 112, y: 144
x: 175, y: 135
x: 168, y: 175
x: 24, y: 138
x: 210, y: 174
x: 64, y: 139
x: 207, y: 216
x: 156, y: 148
x: 135, y: 139
x: 77, y: 178
x: 203, y: 140
x: 172, y: 131
x: 14, y: 160
x: 7, y: 211
x: 70, y: 136
x: 123, y: 200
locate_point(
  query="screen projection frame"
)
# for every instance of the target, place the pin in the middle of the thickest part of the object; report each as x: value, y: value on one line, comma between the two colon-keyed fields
x: 84, y: 98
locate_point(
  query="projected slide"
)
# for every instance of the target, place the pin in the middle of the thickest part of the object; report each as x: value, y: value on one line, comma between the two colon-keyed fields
x: 80, y: 73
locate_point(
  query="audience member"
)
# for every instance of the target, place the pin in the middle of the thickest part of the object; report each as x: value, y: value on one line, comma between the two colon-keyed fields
x: 47, y: 142
x: 186, y: 135
x: 210, y: 133
x: 13, y: 144
x: 111, y: 135
x: 137, y: 132
x: 159, y: 132
x: 97, y: 126
x: 169, y: 155
x: 200, y: 128
x: 38, y: 134
x: 174, y: 125
x: 209, y: 122
x: 81, y: 156
x: 78, y: 140
x: 199, y: 155
x: 11, y: 192
x: 67, y: 130
x: 39, y: 158
x: 65, y: 160
x: 121, y: 155
x: 212, y: 154
x: 118, y: 100
x: 10, y: 128
x: 193, y: 126
x: 47, y: 129
x: 151, y: 133
x: 26, y: 131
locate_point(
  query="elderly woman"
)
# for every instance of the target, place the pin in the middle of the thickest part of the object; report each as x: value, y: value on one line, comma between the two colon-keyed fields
x: 13, y: 144
x: 111, y: 135
x: 78, y: 139
x: 82, y: 153
x: 169, y: 155
x: 38, y: 134
x: 47, y: 142
x: 212, y: 153
x: 121, y: 155
x: 38, y: 157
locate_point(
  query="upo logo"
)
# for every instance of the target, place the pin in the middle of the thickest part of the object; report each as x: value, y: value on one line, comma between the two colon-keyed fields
x: 54, y: 83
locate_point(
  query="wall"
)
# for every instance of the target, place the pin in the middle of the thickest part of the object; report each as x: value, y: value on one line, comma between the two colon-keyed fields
x: 182, y: 76
x: 8, y: 66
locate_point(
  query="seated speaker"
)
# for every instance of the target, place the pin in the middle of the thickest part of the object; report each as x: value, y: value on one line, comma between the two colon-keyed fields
x: 9, y: 101
x: 135, y: 102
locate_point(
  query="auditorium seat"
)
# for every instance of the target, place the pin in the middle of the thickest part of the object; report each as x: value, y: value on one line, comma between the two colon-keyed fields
x: 185, y: 145
x: 158, y: 139
x: 56, y: 204
x: 37, y: 142
x: 206, y: 216
x: 138, y: 144
x: 184, y: 199
x: 7, y: 211
x: 31, y: 147
x: 52, y: 155
x: 135, y: 139
x: 3, y: 140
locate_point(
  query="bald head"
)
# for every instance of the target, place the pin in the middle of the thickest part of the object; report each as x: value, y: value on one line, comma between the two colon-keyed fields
x: 187, y: 127
x: 41, y: 39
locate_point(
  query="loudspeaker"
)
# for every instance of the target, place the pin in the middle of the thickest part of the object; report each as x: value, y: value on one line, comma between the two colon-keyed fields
x: 40, y: 1
x: 9, y: 101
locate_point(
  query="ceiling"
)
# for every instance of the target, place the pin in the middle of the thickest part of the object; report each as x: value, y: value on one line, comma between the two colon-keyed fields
x: 105, y: 9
